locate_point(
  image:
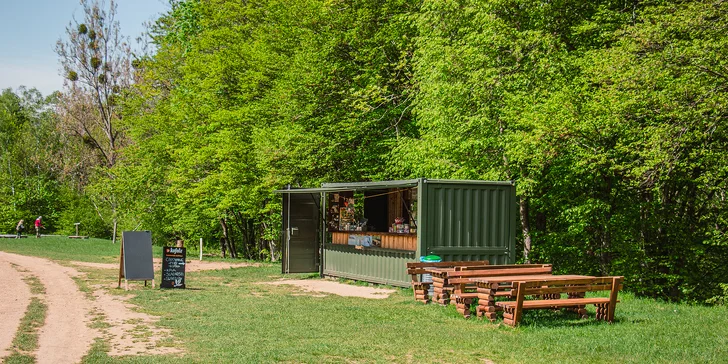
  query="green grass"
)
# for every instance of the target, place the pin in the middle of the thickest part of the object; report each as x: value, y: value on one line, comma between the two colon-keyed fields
x: 60, y: 248
x: 34, y: 284
x: 226, y: 316
x: 26, y: 339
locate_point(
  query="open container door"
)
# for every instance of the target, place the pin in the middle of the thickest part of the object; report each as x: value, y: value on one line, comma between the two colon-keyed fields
x: 300, y: 235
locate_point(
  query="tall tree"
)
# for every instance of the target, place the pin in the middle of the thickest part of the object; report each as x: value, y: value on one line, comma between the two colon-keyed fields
x: 96, y: 61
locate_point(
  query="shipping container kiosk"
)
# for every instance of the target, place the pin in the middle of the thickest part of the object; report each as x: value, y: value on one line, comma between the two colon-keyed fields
x: 368, y: 231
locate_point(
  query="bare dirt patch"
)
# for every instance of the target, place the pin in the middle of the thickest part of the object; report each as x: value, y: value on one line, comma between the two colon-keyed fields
x: 190, y: 265
x: 341, y: 289
x: 130, y: 332
x: 14, y: 302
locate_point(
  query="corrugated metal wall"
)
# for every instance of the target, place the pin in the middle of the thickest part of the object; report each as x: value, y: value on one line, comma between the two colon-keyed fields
x: 469, y: 221
x: 371, y: 265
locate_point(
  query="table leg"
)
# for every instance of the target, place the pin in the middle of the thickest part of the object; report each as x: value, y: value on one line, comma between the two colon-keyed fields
x: 486, y: 300
x: 437, y: 291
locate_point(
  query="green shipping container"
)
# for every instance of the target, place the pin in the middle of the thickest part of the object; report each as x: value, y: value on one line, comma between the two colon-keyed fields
x: 454, y: 219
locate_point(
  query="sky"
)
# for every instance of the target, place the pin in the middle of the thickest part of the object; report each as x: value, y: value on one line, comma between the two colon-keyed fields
x: 29, y: 30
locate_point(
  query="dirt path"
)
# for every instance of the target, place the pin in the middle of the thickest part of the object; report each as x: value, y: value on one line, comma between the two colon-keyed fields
x: 66, y: 336
x: 13, y: 303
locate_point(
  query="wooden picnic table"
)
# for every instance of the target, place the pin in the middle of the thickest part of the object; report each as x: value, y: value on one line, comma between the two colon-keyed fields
x: 445, y: 279
x: 488, y: 288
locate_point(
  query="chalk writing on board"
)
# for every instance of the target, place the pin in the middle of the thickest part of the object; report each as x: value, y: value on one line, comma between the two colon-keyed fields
x: 173, y: 267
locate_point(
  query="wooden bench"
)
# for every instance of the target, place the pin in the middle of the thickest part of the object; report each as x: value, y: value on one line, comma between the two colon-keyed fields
x: 421, y: 289
x: 457, y: 282
x: 550, y: 293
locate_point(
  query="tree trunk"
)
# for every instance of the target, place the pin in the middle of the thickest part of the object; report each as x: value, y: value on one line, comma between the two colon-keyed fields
x: 240, y: 222
x: 227, y: 238
x: 526, y: 229
x: 222, y: 247
x: 272, y: 245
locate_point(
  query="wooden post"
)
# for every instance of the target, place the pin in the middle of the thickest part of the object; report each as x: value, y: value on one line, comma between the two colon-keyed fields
x: 200, y: 249
x: 616, y: 282
x: 518, y: 312
x: 121, y: 264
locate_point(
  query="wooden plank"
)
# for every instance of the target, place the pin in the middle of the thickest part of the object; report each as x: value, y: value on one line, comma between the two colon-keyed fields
x: 565, y: 289
x: 498, y: 272
x: 463, y: 263
x: 518, y: 311
x: 572, y: 302
x: 567, y: 279
x: 528, y: 278
x: 616, y: 284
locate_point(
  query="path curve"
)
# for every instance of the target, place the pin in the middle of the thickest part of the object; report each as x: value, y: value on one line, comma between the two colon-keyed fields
x: 65, y: 337
x: 13, y: 304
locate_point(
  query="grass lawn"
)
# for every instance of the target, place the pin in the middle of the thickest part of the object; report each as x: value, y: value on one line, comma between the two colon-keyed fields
x: 227, y: 316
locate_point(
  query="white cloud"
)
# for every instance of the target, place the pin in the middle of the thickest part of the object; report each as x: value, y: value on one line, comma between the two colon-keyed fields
x: 46, y: 79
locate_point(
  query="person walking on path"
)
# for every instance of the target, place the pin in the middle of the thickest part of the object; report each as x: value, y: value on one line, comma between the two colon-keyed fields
x: 38, y: 226
x: 19, y: 228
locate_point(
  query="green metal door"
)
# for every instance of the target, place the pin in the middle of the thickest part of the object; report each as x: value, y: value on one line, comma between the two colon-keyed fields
x: 300, y: 232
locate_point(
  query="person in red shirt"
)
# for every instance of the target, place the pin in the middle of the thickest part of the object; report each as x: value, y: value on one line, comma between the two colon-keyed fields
x: 38, y: 226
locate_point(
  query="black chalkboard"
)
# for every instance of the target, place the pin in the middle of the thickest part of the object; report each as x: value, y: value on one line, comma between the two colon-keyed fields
x: 173, y: 267
x: 136, y: 255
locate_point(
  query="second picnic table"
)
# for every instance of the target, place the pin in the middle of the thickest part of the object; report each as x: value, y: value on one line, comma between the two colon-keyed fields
x: 488, y: 287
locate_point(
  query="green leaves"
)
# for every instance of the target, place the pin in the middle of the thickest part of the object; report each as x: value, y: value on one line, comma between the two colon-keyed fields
x: 609, y: 117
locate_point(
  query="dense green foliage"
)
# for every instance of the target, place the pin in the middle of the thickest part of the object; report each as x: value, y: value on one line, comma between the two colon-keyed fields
x: 35, y: 178
x: 610, y: 120
x: 608, y: 115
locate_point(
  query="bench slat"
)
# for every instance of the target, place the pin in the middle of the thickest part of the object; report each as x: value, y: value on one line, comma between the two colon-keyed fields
x: 584, y: 288
x: 556, y: 303
x: 493, y: 272
x: 550, y: 282
x: 421, y: 265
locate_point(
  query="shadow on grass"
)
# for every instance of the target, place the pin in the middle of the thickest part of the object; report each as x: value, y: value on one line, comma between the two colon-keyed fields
x: 559, y: 319
x: 184, y: 289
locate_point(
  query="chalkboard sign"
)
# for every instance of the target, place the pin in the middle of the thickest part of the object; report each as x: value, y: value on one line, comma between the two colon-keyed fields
x: 136, y: 256
x: 173, y: 267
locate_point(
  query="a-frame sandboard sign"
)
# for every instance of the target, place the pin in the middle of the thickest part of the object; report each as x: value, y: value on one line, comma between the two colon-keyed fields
x: 135, y: 258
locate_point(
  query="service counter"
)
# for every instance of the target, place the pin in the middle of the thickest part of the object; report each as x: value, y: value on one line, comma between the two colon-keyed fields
x: 395, y: 241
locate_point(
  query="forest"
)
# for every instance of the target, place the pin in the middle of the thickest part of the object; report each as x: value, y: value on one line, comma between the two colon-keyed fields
x: 609, y: 116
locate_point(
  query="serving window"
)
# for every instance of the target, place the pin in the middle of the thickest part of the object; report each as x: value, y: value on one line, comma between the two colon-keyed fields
x: 385, y: 218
